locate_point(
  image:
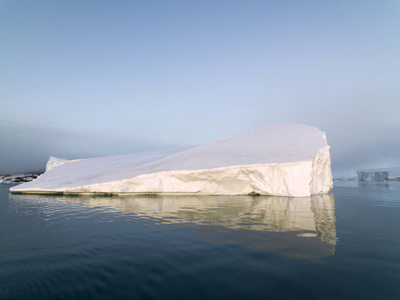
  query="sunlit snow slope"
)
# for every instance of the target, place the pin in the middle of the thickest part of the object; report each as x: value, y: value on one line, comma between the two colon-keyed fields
x: 284, y: 160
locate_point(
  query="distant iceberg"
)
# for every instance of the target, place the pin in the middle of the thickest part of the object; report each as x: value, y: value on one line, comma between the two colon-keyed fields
x: 283, y: 160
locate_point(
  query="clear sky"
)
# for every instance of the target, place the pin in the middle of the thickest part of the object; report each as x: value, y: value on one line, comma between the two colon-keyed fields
x: 89, y: 78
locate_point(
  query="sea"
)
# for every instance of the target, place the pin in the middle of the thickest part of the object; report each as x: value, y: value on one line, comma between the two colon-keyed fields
x: 341, y: 245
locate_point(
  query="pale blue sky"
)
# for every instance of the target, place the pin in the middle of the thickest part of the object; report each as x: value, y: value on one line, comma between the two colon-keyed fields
x: 88, y: 78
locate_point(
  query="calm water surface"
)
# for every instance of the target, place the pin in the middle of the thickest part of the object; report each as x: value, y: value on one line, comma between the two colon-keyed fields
x: 345, y: 245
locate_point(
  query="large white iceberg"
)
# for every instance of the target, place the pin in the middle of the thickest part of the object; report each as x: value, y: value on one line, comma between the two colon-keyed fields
x: 284, y: 160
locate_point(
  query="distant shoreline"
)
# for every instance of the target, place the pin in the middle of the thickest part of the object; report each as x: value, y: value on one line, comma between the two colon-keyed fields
x: 17, y: 178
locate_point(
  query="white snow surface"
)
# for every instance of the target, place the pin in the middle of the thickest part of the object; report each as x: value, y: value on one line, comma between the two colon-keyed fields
x: 284, y: 160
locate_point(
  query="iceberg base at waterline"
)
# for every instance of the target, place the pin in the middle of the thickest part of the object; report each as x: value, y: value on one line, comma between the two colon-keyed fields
x: 282, y: 160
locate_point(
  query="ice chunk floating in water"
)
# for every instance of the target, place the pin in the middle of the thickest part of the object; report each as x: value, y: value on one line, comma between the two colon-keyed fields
x: 283, y: 160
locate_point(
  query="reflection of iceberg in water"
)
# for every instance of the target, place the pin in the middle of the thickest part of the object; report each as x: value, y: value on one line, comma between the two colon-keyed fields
x: 296, y: 227
x: 313, y: 214
x: 374, y: 184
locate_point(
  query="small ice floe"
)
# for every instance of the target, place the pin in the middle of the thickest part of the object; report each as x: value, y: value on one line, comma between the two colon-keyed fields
x: 5, y: 182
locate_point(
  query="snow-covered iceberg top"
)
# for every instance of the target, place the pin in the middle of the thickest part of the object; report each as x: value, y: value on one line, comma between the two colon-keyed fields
x: 284, y: 160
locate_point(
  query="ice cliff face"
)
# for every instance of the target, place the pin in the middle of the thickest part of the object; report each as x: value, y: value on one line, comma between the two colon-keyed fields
x: 283, y: 160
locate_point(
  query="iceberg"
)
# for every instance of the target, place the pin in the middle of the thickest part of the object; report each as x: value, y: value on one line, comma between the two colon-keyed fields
x: 282, y: 160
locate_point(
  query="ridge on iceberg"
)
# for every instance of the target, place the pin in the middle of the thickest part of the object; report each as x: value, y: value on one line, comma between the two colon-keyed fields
x: 283, y: 160
x: 55, y: 162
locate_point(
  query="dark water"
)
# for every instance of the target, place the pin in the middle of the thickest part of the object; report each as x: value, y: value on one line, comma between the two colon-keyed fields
x: 345, y: 245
